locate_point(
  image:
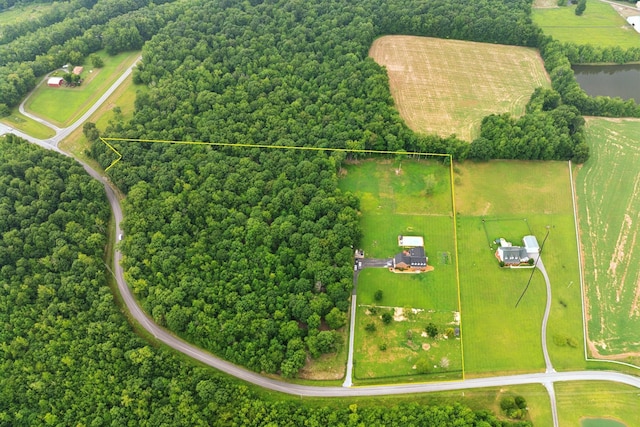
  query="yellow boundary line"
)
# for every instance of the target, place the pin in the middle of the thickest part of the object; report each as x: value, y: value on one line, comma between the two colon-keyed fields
x: 342, y: 150
x: 283, y: 147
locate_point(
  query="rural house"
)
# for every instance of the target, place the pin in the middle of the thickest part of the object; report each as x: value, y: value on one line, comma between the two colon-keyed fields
x: 413, y: 256
x: 411, y: 259
x: 512, y: 255
x: 55, y: 81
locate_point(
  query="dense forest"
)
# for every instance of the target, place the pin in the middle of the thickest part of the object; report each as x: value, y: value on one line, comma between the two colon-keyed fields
x: 67, y: 354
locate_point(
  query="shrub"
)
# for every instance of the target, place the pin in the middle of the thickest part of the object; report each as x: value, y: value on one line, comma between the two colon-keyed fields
x: 378, y: 295
x: 432, y: 330
x: 371, y: 327
x: 387, y: 318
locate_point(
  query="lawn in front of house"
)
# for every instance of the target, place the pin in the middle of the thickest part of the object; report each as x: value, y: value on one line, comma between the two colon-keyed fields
x: 62, y: 105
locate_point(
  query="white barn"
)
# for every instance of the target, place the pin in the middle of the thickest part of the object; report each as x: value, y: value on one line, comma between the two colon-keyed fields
x: 531, y: 244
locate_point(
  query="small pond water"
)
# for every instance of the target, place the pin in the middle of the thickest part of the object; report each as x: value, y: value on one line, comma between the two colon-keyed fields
x: 601, y: 422
x: 610, y: 80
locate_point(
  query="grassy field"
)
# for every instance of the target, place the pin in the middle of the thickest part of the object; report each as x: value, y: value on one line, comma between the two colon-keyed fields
x: 21, y: 13
x: 62, y: 105
x: 27, y: 125
x: 599, y: 25
x: 123, y: 97
x: 578, y: 401
x: 498, y: 337
x: 406, y: 197
x: 437, y: 91
x: 608, y: 192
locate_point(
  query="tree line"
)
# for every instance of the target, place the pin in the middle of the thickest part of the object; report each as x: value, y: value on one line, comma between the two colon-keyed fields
x: 68, y: 355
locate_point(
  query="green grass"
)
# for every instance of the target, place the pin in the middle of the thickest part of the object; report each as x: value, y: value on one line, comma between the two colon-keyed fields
x: 608, y: 192
x: 21, y: 13
x: 600, y: 25
x: 62, y: 105
x: 398, y: 199
x: 124, y: 97
x: 437, y: 92
x: 27, y: 125
x: 498, y: 337
x: 579, y: 400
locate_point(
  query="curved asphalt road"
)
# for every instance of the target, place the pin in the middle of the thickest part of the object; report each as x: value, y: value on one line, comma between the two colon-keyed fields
x: 547, y: 379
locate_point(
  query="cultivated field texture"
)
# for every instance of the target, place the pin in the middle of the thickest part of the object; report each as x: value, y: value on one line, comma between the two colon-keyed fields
x: 578, y: 401
x: 447, y: 86
x: 608, y: 192
x: 602, y: 24
x: 405, y: 197
x: 514, y: 199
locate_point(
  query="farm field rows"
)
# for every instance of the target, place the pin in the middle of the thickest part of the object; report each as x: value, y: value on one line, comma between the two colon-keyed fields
x: 447, y: 86
x: 600, y: 24
x: 608, y: 194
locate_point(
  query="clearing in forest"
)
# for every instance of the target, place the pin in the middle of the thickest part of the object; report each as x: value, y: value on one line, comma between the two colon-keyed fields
x: 608, y: 193
x: 62, y: 105
x: 405, y: 197
x: 602, y: 24
x: 516, y: 198
x: 447, y: 86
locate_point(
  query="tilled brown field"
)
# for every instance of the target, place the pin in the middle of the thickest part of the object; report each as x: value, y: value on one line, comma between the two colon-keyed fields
x: 447, y: 86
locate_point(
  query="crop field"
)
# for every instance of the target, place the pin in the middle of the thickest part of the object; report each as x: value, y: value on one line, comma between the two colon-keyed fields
x: 600, y: 25
x: 578, y: 401
x: 21, y: 13
x: 447, y: 86
x: 62, y: 105
x: 514, y: 199
x: 405, y: 197
x: 608, y: 193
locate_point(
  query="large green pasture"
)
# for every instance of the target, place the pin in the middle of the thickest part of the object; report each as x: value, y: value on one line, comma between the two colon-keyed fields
x: 608, y: 193
x: 62, y: 105
x: 514, y: 199
x: 580, y: 400
x: 599, y: 25
x: 405, y: 197
x: 393, y: 201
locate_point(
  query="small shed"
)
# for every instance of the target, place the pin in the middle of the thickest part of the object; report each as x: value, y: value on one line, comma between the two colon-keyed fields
x: 77, y: 70
x: 55, y: 81
x: 531, y: 244
x: 634, y: 21
x: 410, y: 241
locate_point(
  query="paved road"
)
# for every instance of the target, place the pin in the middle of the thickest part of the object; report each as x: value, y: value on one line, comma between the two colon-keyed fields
x: 547, y: 378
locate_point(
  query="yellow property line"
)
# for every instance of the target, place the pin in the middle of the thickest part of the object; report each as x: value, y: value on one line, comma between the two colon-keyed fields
x: 343, y: 150
x: 283, y: 147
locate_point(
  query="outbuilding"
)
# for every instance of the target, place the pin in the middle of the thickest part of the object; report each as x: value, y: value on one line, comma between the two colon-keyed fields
x: 531, y: 244
x: 77, y: 70
x: 55, y: 81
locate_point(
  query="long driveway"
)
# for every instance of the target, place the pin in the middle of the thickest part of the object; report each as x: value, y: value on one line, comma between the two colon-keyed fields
x: 547, y: 379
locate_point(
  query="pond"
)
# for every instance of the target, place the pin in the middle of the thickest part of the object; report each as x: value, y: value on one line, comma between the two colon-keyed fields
x: 610, y: 80
x: 601, y: 422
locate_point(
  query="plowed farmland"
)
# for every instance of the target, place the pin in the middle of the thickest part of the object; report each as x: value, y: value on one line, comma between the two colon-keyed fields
x: 608, y: 192
x: 447, y: 86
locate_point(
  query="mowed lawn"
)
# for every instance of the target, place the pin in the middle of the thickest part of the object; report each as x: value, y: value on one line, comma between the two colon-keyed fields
x: 579, y: 400
x: 405, y: 197
x: 19, y: 13
x: 62, y: 105
x: 600, y: 25
x: 608, y: 192
x: 514, y: 199
x: 447, y: 86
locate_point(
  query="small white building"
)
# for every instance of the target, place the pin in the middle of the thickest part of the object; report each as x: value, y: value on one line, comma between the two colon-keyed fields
x: 531, y: 244
x: 410, y: 241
